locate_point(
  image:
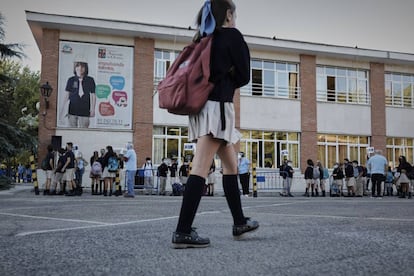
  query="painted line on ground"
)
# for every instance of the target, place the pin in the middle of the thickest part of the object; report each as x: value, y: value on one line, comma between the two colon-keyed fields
x: 51, y: 218
x: 92, y: 226
x: 102, y: 224
x: 345, y: 217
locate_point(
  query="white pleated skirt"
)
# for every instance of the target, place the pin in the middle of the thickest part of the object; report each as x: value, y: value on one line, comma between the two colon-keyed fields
x: 208, y: 122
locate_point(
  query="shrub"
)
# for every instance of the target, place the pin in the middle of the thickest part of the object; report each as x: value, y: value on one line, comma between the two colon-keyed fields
x: 5, y: 182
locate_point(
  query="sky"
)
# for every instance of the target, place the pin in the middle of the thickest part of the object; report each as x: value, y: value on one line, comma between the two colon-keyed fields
x: 370, y: 24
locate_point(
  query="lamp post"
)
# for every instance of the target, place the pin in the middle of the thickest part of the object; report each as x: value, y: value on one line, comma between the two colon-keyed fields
x: 46, y: 90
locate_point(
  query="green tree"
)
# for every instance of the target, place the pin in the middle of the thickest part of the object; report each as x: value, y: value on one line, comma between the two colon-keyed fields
x: 18, y: 96
x: 19, y: 93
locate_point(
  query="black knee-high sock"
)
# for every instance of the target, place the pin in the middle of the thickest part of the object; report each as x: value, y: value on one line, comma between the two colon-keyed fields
x: 232, y: 193
x: 191, y: 199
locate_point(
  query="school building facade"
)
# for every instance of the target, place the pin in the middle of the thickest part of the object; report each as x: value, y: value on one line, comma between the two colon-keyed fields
x: 304, y: 100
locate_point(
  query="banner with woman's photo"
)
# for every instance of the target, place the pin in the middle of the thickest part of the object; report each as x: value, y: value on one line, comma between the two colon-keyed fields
x: 95, y: 86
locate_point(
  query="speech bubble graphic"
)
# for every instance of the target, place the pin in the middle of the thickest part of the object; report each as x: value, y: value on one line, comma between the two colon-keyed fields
x: 102, y: 91
x: 120, y: 98
x: 117, y: 82
x: 106, y: 109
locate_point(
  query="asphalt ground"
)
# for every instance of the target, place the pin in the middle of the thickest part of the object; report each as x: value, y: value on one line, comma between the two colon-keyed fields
x: 96, y: 235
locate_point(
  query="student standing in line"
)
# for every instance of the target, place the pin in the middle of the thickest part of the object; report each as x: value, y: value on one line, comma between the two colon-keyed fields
x: 108, y: 174
x: 210, y: 179
x: 58, y: 173
x: 96, y: 172
x: 173, y: 171
x: 148, y: 176
x: 183, y: 173
x: 214, y: 126
x: 49, y: 169
x: 163, y: 174
x: 308, y: 177
x: 338, y: 182
x: 68, y: 169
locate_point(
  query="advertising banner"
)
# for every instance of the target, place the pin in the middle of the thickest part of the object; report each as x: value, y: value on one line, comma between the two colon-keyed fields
x: 95, y: 86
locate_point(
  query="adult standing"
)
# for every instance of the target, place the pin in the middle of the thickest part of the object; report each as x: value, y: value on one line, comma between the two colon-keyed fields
x: 244, y: 173
x: 214, y: 126
x: 289, y: 177
x: 130, y: 159
x: 377, y: 165
x: 283, y: 174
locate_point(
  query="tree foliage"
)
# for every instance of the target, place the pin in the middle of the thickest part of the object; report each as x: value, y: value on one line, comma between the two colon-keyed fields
x: 19, y: 93
x: 19, y: 88
x: 14, y: 140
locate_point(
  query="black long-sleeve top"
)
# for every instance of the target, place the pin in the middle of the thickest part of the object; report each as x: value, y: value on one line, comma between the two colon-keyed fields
x: 230, y: 64
x: 404, y: 166
x: 309, y: 172
x: 337, y: 174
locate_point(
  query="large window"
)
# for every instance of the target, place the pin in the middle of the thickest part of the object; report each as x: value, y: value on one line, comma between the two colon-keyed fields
x: 273, y: 79
x: 399, y: 90
x: 268, y: 149
x: 335, y: 148
x: 169, y: 142
x: 397, y: 147
x: 342, y: 85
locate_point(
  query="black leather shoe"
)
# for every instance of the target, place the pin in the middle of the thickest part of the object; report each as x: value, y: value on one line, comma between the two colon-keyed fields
x: 192, y: 240
x: 239, y: 230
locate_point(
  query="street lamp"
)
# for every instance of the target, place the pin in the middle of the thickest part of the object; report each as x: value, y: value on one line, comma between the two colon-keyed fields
x: 46, y: 90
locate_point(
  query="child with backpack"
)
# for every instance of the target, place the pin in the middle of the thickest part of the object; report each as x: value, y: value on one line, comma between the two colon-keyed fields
x: 110, y: 167
x: 338, y: 176
x: 96, y: 172
x: 309, y: 177
x: 214, y: 126
x: 389, y: 181
x: 323, y: 178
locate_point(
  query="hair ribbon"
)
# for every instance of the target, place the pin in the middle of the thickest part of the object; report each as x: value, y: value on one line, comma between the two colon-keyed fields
x: 208, y: 23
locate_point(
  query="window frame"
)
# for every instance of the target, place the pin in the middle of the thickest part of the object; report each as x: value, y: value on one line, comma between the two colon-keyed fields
x: 342, y: 85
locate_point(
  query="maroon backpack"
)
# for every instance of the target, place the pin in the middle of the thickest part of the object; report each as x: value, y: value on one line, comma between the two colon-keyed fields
x: 186, y: 87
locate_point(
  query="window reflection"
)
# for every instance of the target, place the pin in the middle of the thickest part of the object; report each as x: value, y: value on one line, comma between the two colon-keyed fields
x: 335, y: 148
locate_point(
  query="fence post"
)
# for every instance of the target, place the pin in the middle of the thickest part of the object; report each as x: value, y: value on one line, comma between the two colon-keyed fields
x: 254, y: 180
x: 33, y: 167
